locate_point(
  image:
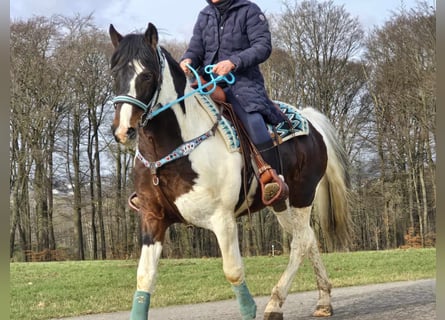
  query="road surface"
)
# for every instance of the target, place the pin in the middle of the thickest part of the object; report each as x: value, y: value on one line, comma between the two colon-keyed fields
x: 413, y: 300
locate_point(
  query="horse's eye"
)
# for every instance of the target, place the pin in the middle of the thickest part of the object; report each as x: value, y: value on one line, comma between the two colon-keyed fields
x: 146, y: 76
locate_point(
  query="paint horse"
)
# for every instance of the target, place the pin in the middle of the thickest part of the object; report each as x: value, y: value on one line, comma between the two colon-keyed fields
x: 184, y: 172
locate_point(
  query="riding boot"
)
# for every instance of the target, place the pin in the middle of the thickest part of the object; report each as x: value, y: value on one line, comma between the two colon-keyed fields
x: 275, y: 190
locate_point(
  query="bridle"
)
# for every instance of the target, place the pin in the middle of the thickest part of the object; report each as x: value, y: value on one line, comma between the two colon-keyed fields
x: 153, y: 101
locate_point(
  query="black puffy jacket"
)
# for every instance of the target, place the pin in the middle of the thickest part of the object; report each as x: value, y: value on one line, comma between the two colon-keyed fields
x: 242, y: 35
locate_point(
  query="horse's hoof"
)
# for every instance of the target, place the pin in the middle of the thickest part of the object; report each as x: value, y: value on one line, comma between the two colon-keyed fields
x: 273, y: 316
x: 323, y: 311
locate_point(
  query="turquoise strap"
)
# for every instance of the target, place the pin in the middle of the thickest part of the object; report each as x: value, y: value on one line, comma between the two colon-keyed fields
x: 229, y: 79
x: 141, y: 303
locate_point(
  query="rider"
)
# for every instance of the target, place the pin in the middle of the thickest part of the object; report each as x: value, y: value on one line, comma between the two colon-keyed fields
x: 234, y: 35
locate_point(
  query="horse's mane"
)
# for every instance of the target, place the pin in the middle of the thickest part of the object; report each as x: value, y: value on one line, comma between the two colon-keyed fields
x: 133, y: 47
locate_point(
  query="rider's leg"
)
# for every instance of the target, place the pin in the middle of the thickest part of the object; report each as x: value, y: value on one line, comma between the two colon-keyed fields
x: 275, y: 192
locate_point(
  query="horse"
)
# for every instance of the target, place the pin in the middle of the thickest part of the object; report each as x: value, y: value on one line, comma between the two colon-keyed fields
x: 184, y: 172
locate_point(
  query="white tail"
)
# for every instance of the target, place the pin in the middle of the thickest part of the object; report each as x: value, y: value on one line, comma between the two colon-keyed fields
x: 332, y: 196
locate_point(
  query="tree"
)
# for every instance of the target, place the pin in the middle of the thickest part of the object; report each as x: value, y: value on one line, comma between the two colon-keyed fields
x: 69, y: 181
x: 316, y: 63
x: 401, y: 56
x: 36, y: 106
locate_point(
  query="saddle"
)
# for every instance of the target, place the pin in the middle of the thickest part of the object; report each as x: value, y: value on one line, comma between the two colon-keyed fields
x: 218, y: 95
x: 264, y: 173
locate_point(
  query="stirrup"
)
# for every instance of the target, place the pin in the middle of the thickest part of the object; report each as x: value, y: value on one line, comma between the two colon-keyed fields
x: 274, y: 191
x: 133, y: 202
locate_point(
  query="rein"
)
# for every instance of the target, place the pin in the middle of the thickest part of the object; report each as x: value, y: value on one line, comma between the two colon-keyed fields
x: 200, y: 89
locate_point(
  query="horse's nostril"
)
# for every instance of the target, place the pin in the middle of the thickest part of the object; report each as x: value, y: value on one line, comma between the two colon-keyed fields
x: 131, y: 133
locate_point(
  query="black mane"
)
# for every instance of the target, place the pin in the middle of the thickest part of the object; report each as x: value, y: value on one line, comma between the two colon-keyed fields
x: 131, y: 47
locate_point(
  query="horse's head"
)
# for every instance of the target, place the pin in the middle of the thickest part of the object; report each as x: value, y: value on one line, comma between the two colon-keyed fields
x: 135, y: 67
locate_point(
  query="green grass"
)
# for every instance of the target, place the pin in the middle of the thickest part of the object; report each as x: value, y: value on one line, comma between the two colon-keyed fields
x: 60, y: 289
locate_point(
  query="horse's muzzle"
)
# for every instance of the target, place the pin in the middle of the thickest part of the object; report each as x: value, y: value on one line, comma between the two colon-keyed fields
x: 123, y: 137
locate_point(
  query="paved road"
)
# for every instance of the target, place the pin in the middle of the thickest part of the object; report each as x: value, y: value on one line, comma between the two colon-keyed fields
x: 413, y: 300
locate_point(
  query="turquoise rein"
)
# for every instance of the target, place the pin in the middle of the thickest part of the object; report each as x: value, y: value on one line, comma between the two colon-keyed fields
x: 229, y: 79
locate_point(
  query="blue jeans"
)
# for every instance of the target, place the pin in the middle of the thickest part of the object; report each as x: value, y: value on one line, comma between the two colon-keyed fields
x: 253, y: 122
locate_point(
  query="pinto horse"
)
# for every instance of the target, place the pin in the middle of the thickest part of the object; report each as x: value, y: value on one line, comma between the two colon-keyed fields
x: 184, y: 172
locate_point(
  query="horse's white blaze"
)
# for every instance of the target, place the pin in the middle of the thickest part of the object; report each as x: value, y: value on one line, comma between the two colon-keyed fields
x: 124, y: 123
x: 121, y: 131
x: 138, y: 68
x: 148, y: 266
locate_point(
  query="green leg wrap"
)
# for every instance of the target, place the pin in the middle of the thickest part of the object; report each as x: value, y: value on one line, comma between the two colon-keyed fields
x: 141, y: 303
x: 246, y: 303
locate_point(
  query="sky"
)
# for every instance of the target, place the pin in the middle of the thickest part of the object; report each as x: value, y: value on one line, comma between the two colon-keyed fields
x: 175, y: 18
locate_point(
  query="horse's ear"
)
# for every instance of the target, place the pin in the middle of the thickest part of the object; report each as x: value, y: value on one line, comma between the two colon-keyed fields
x: 115, y: 36
x: 151, y: 35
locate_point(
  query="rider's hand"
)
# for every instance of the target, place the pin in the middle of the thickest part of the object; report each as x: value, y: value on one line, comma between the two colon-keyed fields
x: 183, y: 64
x: 223, y: 67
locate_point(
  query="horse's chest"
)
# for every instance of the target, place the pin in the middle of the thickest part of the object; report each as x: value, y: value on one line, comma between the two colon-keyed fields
x: 209, y: 196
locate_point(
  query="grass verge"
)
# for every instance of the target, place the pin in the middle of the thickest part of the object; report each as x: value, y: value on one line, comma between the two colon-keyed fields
x: 61, y: 289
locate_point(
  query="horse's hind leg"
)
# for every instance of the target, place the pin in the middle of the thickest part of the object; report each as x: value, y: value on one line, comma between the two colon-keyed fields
x: 303, y: 243
x: 324, y: 307
x: 226, y: 232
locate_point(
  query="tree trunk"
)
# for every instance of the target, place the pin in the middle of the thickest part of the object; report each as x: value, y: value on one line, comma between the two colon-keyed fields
x: 49, y: 192
x: 92, y: 183
x: 100, y: 215
x: 77, y: 205
x: 424, y: 202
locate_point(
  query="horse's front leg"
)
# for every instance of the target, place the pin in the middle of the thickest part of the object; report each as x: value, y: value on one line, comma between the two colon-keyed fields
x: 225, y: 229
x: 153, y: 232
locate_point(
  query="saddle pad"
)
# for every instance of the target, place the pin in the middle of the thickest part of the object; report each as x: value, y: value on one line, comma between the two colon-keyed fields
x: 228, y: 131
x: 299, y: 124
x: 225, y: 127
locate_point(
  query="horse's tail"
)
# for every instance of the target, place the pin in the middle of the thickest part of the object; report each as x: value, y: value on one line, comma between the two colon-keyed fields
x: 333, y: 192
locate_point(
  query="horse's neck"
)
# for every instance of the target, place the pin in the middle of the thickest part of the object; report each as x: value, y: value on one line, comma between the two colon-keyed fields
x: 194, y: 121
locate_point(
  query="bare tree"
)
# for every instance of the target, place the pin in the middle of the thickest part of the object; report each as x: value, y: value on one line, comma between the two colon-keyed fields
x: 316, y: 63
x: 379, y: 96
x: 401, y: 56
x: 37, y: 101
